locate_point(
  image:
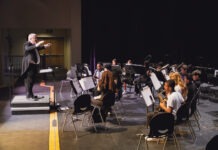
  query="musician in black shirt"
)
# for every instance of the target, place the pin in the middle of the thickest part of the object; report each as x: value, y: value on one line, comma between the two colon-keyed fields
x: 143, y: 78
x: 196, y: 78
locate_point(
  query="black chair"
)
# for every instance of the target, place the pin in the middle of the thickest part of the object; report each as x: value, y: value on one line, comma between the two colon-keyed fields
x: 213, y: 143
x: 182, y: 117
x: 108, y: 102
x: 82, y: 106
x: 194, y: 109
x: 161, y: 128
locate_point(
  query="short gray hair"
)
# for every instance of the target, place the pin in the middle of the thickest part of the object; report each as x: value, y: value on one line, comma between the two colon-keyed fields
x: 31, y: 35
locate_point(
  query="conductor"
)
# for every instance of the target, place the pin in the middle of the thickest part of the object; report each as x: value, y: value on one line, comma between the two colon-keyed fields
x: 31, y: 60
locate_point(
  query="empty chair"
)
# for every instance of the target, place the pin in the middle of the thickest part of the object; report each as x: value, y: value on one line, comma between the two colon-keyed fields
x: 161, y: 128
x: 213, y: 143
x: 182, y: 117
x: 82, y: 106
x: 194, y: 109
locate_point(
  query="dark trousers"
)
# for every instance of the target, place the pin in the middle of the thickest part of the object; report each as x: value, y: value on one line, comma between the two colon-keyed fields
x: 29, y: 79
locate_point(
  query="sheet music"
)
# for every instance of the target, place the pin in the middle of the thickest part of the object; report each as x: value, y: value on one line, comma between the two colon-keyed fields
x: 164, y: 72
x: 46, y: 70
x: 89, y: 72
x: 77, y: 86
x: 147, y: 96
x: 87, y: 83
x: 156, y: 83
x: 73, y: 72
x: 97, y: 97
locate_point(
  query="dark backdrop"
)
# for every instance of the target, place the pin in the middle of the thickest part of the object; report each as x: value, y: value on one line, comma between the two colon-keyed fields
x: 171, y: 31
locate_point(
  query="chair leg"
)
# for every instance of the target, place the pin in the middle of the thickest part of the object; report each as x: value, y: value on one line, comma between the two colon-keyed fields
x: 89, y: 115
x: 74, y: 126
x: 65, y: 119
x: 176, y: 141
x: 82, y: 123
x: 122, y: 107
x: 140, y: 138
x: 116, y: 117
x: 93, y: 123
x: 191, y: 130
x: 196, y: 119
x: 165, y: 141
x: 99, y: 110
x: 198, y: 113
x: 146, y: 142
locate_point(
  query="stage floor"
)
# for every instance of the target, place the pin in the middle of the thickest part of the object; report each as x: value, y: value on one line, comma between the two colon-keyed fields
x: 32, y: 131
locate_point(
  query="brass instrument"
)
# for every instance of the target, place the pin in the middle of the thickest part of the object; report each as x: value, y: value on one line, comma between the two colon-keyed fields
x: 162, y: 96
x: 162, y: 99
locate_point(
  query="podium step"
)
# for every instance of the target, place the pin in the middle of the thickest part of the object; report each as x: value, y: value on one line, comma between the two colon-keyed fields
x: 30, y: 110
x: 21, y: 105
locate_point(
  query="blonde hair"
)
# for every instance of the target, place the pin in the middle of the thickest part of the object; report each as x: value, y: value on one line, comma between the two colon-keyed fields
x: 179, y: 81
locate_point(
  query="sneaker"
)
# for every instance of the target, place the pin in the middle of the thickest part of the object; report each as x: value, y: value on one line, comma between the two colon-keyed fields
x: 160, y: 139
x: 151, y: 139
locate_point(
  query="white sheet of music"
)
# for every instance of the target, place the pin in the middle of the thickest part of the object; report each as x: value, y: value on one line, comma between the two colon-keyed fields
x: 77, y: 86
x: 156, y: 83
x: 87, y: 83
x: 147, y: 96
x: 164, y: 72
x: 97, y: 97
x: 46, y: 70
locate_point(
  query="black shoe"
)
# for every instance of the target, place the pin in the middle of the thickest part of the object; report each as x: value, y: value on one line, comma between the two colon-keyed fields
x: 34, y: 97
x: 37, y: 97
x: 29, y: 96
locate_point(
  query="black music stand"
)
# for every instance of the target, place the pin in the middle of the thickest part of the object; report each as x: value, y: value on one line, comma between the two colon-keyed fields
x: 53, y: 103
x: 136, y: 69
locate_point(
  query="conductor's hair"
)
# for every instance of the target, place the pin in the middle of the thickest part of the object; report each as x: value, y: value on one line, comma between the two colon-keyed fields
x: 31, y: 35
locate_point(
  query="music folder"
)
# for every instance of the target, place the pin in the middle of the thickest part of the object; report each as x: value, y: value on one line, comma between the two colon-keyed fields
x: 135, y: 68
x: 87, y: 83
x: 77, y: 86
x: 156, y: 83
x: 147, y: 96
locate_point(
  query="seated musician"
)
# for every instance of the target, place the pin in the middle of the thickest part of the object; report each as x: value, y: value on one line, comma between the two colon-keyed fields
x: 106, y: 84
x: 171, y: 104
x: 180, y: 84
x: 127, y: 77
x: 183, y: 71
x: 129, y: 62
x: 158, y: 72
x: 143, y: 78
x: 196, y: 78
x: 98, y: 72
x: 116, y: 70
x: 192, y: 89
x: 97, y: 76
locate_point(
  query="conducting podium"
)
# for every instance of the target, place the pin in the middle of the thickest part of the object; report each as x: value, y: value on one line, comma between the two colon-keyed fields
x: 52, y: 100
x: 22, y: 105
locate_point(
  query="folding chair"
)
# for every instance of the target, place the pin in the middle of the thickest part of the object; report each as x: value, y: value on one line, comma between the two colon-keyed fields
x: 182, y: 117
x: 212, y: 143
x: 161, y: 128
x: 108, y: 102
x: 71, y: 76
x: 193, y: 108
x: 149, y: 100
x: 82, y: 106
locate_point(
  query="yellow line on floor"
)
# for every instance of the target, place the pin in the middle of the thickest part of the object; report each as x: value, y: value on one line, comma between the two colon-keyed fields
x: 53, y: 133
